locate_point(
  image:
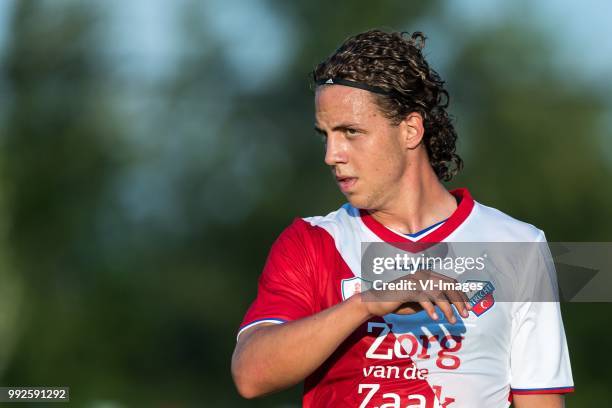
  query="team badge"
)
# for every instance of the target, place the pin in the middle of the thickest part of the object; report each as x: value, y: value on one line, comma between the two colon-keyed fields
x: 482, y: 300
x: 351, y: 286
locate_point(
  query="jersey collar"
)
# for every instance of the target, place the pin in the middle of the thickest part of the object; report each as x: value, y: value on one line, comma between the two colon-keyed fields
x: 463, y: 210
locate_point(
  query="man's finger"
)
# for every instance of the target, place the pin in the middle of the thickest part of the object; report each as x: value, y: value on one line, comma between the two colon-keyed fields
x: 429, y: 308
x: 462, y: 309
x: 446, y: 308
x: 459, y: 299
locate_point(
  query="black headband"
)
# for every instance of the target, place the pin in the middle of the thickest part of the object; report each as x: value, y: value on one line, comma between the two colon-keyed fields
x: 360, y: 85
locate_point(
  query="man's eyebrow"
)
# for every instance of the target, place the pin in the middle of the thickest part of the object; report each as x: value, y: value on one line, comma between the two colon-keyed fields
x: 341, y: 126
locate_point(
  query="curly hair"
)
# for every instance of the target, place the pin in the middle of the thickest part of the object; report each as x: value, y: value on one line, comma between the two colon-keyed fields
x: 396, y: 64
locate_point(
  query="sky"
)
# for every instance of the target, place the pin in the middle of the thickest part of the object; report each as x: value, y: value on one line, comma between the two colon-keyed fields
x: 581, y: 31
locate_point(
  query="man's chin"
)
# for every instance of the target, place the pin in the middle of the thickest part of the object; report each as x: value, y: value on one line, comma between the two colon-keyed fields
x: 357, y: 201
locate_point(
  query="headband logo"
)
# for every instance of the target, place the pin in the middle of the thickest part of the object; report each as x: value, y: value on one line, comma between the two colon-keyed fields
x: 354, y: 84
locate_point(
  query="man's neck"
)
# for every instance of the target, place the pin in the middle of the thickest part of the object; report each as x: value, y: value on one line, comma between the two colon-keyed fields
x: 421, y: 203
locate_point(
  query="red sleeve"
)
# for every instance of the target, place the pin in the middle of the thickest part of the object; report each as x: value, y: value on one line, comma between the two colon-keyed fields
x: 286, y: 286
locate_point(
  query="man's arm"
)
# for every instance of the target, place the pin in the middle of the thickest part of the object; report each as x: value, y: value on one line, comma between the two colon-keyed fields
x: 538, y: 401
x: 539, y: 358
x: 271, y: 357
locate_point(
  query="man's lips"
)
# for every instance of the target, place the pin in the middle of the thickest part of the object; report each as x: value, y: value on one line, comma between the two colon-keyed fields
x: 346, y: 183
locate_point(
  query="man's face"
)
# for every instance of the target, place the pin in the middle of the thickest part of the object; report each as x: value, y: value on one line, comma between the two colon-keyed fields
x: 364, y: 150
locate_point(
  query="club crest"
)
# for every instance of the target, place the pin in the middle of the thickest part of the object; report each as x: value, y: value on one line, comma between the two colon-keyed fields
x: 482, y: 300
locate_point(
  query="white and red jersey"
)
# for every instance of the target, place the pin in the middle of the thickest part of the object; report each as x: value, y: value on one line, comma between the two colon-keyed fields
x: 502, y: 349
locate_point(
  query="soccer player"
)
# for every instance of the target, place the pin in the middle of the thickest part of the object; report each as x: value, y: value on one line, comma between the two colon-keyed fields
x: 381, y: 111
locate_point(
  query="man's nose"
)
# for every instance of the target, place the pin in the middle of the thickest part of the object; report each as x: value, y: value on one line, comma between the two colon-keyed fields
x: 335, y: 150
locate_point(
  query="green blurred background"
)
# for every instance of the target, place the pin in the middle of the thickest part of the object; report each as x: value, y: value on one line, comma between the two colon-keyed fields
x: 151, y: 152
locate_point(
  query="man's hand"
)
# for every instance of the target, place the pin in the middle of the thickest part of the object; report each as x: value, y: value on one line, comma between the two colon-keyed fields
x: 382, y: 302
x: 270, y: 358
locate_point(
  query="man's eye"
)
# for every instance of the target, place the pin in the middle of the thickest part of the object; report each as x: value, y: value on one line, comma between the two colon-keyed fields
x: 351, y: 132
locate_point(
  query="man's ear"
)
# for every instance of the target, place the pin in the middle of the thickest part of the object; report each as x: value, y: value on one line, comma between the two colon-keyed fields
x: 412, y: 130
